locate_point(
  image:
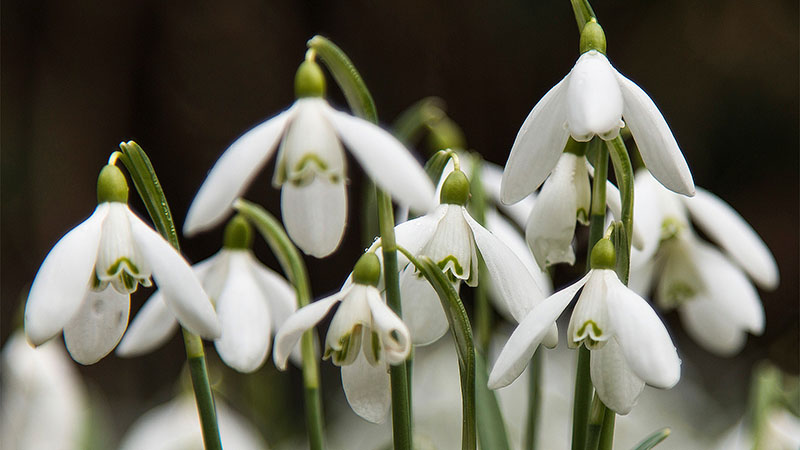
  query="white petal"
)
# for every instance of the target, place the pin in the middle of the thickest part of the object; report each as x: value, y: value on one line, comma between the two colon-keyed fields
x: 724, y: 225
x: 452, y: 246
x: 152, y: 327
x: 641, y: 276
x: 232, y: 172
x: 315, y: 215
x: 98, y: 325
x: 292, y: 330
x: 390, y: 165
x: 551, y: 225
x: 594, y: 101
x: 656, y: 144
x: 648, y: 215
x: 244, y: 318
x: 617, y: 386
x: 645, y: 342
x: 526, y: 337
x: 422, y: 310
x: 590, y: 322
x: 712, y: 327
x: 728, y: 287
x: 182, y: 291
x: 538, y: 144
x: 510, y: 277
x: 394, y: 333
x: 414, y: 234
x: 280, y: 294
x: 367, y: 389
x: 63, y: 279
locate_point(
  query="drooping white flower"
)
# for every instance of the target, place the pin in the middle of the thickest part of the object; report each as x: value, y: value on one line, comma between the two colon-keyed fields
x: 592, y: 101
x: 717, y: 303
x: 630, y: 346
x: 453, y: 239
x: 310, y: 170
x: 251, y: 301
x: 174, y: 426
x: 84, y: 283
x: 44, y: 404
x: 364, y: 336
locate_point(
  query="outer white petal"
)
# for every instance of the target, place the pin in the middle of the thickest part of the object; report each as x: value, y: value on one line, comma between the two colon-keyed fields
x: 539, y: 143
x: 306, y: 317
x: 414, y: 234
x: 244, y: 317
x: 154, y: 324
x: 724, y: 225
x: 641, y: 276
x: 390, y: 165
x: 526, y: 337
x: 492, y: 176
x: 422, y: 310
x: 182, y: 291
x: 712, y: 327
x: 389, y: 325
x: 315, y: 215
x: 510, y: 276
x: 656, y: 143
x: 617, y: 386
x: 233, y: 172
x: 594, y: 101
x: 98, y: 325
x: 367, y: 389
x: 63, y: 279
x: 645, y: 342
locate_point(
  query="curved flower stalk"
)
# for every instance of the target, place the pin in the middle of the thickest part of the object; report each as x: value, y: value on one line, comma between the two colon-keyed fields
x: 250, y: 299
x: 717, y: 302
x: 44, y: 403
x: 452, y: 239
x: 84, y: 283
x: 591, y: 101
x: 174, y: 426
x: 630, y: 346
x: 364, y: 337
x: 310, y: 168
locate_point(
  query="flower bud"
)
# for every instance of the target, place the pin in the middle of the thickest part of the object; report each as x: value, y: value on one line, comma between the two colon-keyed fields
x: 367, y: 270
x: 603, y: 255
x: 111, y: 185
x: 309, y: 81
x: 593, y: 38
x: 238, y: 234
x: 455, y: 189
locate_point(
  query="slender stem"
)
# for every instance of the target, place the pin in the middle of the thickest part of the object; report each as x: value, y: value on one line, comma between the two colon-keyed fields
x: 534, y: 399
x: 196, y: 359
x: 583, y: 12
x: 607, y: 433
x: 583, y: 399
x: 596, y: 416
x: 624, y: 173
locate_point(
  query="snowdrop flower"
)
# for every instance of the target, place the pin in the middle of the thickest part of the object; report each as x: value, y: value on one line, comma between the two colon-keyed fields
x: 84, y: 283
x: 364, y: 336
x: 310, y: 168
x: 591, y: 101
x: 630, y: 346
x: 250, y: 299
x: 174, y: 426
x: 452, y: 238
x: 44, y: 404
x: 717, y: 303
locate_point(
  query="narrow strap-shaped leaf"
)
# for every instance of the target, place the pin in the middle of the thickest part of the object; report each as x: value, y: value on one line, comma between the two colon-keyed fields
x: 462, y: 334
x: 621, y: 246
x: 491, y: 428
x: 653, y: 440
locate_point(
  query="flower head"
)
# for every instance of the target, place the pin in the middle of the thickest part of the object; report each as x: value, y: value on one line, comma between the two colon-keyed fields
x: 591, y: 101
x: 364, y: 336
x: 84, y: 283
x: 310, y: 170
x: 630, y: 346
x: 250, y: 299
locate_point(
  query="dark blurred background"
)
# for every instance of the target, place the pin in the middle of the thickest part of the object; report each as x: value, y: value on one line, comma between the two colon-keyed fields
x: 184, y: 79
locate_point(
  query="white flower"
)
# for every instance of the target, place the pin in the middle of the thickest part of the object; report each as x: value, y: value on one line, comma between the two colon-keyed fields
x: 250, y: 299
x: 311, y: 172
x: 84, y: 283
x: 630, y: 346
x: 174, y: 426
x: 716, y: 301
x: 592, y: 100
x: 452, y: 239
x: 43, y: 401
x: 364, y: 336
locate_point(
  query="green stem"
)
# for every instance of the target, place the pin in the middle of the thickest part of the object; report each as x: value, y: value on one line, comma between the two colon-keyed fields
x: 149, y: 188
x: 583, y: 399
x: 416, y: 118
x: 295, y: 269
x: 596, y: 416
x: 534, y: 399
x: 607, y: 433
x: 583, y: 12
x: 623, y: 170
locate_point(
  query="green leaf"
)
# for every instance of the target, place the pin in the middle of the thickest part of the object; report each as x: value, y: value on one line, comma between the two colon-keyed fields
x: 653, y: 440
x: 491, y: 427
x: 622, y: 246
